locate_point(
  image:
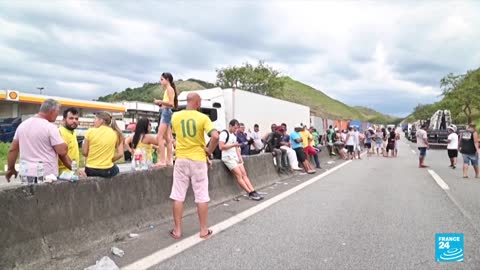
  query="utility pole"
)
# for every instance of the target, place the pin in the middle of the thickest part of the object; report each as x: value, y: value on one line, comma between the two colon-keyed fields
x: 41, y: 90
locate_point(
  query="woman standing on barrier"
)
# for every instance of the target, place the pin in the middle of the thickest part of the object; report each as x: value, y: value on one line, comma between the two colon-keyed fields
x: 141, y: 139
x: 100, y: 145
x: 164, y: 136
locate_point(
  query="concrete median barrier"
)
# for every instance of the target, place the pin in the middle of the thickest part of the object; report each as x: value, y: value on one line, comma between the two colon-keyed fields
x: 42, y: 223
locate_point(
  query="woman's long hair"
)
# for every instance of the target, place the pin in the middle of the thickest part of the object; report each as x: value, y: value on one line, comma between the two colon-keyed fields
x: 140, y: 130
x: 109, y: 121
x: 168, y: 76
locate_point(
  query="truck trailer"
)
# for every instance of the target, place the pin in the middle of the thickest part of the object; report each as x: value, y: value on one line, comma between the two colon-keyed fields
x: 223, y: 105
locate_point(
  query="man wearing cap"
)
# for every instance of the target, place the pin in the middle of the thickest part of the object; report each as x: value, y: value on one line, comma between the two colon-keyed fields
x: 422, y: 144
x: 469, y: 149
x: 297, y: 145
x: 452, y: 147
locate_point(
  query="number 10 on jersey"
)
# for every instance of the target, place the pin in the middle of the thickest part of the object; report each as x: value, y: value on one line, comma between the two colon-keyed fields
x: 189, y: 128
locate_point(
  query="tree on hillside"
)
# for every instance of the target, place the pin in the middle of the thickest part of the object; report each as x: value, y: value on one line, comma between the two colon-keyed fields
x: 425, y: 111
x: 261, y: 79
x: 463, y: 91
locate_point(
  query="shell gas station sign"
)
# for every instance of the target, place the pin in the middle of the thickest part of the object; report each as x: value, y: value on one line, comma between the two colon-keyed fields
x: 13, y: 95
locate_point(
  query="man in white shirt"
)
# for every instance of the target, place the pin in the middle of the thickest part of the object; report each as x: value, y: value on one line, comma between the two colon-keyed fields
x: 356, y: 141
x: 257, y: 145
x: 233, y: 159
x: 350, y: 143
x: 452, y: 147
x: 422, y: 144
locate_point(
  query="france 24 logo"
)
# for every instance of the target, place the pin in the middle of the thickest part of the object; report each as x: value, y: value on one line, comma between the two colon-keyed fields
x: 449, y: 247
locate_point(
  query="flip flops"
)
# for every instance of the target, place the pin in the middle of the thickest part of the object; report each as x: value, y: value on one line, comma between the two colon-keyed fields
x: 206, y: 236
x: 173, y: 235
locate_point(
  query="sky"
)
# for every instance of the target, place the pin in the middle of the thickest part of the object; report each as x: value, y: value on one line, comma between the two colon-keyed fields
x: 385, y: 55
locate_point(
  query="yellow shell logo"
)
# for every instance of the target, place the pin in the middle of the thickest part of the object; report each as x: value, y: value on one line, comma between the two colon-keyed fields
x: 13, y: 95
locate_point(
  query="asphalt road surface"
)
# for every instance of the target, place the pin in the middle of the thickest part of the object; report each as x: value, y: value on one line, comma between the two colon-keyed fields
x: 374, y: 213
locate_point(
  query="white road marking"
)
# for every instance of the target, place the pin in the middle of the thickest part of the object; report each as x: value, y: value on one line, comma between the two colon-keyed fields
x: 170, y: 251
x: 439, y: 180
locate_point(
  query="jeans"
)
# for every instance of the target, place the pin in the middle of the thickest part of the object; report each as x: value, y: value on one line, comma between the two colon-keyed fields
x: 106, y: 173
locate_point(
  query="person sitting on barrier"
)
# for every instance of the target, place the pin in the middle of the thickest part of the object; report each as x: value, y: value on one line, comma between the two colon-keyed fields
x: 286, y: 146
x: 307, y: 140
x: 271, y: 146
x: 233, y: 159
x: 100, y: 145
x: 192, y: 154
x: 279, y: 154
x: 67, y: 131
x: 257, y: 145
x: 297, y: 145
x: 141, y: 139
x: 244, y: 140
x: 38, y: 140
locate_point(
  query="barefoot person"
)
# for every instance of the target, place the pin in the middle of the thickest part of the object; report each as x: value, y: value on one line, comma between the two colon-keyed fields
x: 190, y: 126
x: 169, y: 102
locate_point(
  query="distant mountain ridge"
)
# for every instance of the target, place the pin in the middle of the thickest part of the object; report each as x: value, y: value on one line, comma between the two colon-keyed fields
x: 320, y: 104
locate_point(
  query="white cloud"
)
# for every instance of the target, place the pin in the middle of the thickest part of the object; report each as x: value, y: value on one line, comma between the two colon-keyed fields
x: 357, y: 52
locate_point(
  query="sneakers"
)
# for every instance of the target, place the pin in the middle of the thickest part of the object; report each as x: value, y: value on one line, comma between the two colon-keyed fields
x: 254, y: 196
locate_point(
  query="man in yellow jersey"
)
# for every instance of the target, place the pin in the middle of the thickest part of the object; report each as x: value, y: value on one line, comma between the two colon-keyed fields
x: 190, y: 126
x: 67, y: 131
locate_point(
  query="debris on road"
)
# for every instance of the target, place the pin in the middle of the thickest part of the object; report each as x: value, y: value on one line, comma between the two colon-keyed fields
x: 117, y: 252
x: 226, y: 204
x: 330, y: 162
x: 237, y: 199
x: 104, y: 264
x: 151, y: 226
x: 133, y: 235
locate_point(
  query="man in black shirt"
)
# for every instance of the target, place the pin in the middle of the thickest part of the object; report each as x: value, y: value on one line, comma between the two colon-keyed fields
x: 469, y: 148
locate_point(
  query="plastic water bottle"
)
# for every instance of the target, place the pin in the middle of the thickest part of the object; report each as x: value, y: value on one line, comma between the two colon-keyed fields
x: 74, y: 171
x: 144, y: 163
x: 24, y: 172
x: 137, y: 156
x: 40, y: 172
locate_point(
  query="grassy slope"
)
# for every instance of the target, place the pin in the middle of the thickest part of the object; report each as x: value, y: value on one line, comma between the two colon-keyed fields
x: 319, y: 103
x: 294, y: 91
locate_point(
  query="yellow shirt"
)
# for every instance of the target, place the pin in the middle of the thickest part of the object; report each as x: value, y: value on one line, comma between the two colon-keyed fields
x: 165, y: 96
x: 190, y: 127
x: 147, y: 148
x: 70, y: 138
x: 102, y: 143
x: 305, y: 136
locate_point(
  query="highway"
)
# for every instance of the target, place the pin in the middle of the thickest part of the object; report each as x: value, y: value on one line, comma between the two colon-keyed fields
x: 374, y: 213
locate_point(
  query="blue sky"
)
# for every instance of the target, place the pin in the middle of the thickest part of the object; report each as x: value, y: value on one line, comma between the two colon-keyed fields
x: 381, y: 54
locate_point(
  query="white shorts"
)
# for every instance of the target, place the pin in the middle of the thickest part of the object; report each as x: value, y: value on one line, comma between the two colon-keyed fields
x: 231, y: 162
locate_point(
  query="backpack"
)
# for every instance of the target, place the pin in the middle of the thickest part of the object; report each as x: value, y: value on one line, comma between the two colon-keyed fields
x: 217, y: 153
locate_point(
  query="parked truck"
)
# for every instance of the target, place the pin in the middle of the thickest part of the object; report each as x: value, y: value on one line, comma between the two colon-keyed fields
x: 222, y: 105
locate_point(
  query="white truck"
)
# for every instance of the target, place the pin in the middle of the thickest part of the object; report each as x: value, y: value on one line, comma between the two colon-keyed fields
x: 223, y: 105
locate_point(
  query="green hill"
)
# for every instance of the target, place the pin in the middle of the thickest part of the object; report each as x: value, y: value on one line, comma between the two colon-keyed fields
x: 149, y: 91
x: 320, y: 104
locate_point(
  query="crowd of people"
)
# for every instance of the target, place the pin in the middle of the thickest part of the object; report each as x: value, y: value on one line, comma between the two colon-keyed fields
x: 54, y: 151
x: 465, y: 142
